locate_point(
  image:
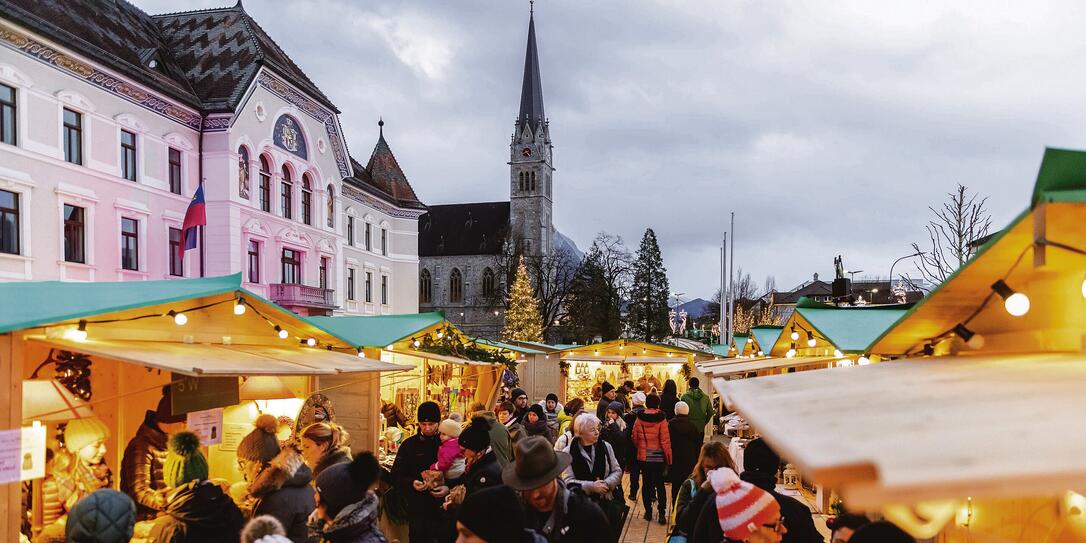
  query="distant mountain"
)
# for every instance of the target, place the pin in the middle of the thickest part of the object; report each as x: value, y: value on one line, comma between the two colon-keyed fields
x: 695, y: 308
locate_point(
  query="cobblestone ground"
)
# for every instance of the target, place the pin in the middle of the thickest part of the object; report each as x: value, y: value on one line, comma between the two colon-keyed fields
x: 637, y: 529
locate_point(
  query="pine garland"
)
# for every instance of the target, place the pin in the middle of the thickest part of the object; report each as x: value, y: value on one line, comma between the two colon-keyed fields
x: 522, y: 320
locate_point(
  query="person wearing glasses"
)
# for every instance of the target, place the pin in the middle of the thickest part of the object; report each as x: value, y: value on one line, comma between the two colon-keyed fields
x: 739, y: 512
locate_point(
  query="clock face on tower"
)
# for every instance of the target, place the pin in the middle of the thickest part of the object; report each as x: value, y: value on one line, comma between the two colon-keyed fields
x: 527, y: 152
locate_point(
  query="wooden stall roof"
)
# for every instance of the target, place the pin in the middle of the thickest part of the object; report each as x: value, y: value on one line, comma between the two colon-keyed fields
x: 519, y: 349
x: 737, y: 366
x: 443, y: 358
x: 938, y: 428
x: 204, y: 359
x: 379, y: 330
x: 849, y: 329
x: 766, y: 336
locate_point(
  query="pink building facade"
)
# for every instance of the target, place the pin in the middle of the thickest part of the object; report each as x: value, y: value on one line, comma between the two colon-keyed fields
x: 104, y: 138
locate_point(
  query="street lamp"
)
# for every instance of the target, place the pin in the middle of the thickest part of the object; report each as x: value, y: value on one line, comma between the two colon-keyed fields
x: 918, y: 253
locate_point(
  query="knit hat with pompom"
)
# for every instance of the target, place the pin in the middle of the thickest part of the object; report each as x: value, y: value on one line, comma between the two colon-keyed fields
x: 740, y: 506
x: 264, y: 529
x: 184, y: 461
x: 261, y: 445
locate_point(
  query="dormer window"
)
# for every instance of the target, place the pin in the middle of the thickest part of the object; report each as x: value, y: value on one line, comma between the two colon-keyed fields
x: 152, y: 59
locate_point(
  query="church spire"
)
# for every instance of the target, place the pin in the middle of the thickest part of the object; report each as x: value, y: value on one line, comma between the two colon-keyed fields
x: 531, y: 92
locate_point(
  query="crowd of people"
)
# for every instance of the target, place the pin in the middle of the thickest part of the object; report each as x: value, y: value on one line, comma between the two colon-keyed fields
x: 515, y: 472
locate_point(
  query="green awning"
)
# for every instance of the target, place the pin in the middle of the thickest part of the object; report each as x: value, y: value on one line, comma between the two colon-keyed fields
x: 766, y: 336
x: 379, y: 330
x: 1062, y: 177
x: 509, y: 346
x: 850, y: 329
x: 720, y: 350
x: 40, y: 303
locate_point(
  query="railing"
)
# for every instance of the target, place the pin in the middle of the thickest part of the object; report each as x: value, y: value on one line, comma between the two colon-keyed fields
x: 290, y: 294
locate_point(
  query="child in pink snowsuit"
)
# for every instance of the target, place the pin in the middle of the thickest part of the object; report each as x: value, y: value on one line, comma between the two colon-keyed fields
x: 450, y: 457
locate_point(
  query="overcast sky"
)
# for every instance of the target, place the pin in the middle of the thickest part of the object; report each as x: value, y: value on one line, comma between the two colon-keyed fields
x: 827, y: 127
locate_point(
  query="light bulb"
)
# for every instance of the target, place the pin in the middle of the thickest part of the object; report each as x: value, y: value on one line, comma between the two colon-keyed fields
x: 79, y: 334
x: 282, y: 333
x: 311, y: 342
x: 811, y: 342
x: 761, y: 353
x: 389, y: 348
x: 416, y: 343
x: 795, y: 335
x: 440, y: 335
x: 791, y: 353
x: 838, y: 354
x: 1084, y: 288
x: 863, y: 361
x: 361, y: 354
x: 1017, y: 304
x: 239, y: 307
x: 180, y: 319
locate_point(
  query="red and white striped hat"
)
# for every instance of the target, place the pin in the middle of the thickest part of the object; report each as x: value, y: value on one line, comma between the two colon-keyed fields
x: 740, y: 506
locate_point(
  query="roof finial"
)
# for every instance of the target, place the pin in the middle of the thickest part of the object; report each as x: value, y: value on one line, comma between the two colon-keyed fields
x: 531, y: 7
x: 381, y: 126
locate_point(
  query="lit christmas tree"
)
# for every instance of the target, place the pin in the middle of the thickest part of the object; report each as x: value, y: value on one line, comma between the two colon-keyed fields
x: 522, y: 320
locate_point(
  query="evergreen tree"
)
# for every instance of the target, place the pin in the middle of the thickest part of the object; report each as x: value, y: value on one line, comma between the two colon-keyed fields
x: 648, y: 317
x: 522, y: 320
x: 594, y: 302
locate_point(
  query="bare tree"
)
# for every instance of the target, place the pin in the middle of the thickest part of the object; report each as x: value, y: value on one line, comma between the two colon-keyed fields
x: 958, y: 222
x: 552, y: 276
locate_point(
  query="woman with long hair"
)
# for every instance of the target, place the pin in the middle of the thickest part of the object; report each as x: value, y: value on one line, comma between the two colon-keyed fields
x: 713, y: 455
x: 324, y: 444
x: 669, y: 398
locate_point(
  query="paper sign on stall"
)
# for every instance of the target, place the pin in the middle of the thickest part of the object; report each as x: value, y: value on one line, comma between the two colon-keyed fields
x: 22, y: 454
x: 206, y: 424
x: 232, y: 434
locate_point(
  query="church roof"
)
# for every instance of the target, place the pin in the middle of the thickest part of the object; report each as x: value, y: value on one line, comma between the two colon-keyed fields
x: 205, y: 59
x: 531, y: 91
x: 463, y: 229
x: 383, y: 177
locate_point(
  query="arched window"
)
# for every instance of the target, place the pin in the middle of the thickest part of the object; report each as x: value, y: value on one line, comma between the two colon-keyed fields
x: 265, y: 184
x: 331, y: 206
x: 286, y: 194
x: 531, y: 184
x: 307, y: 200
x: 426, y: 287
x: 456, y: 286
x: 243, y: 172
x: 488, y: 282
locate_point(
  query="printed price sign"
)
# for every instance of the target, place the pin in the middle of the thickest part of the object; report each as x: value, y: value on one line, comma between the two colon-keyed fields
x: 22, y: 454
x: 206, y: 424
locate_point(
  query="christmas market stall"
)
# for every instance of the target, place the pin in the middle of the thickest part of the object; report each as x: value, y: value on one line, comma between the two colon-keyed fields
x: 974, y: 434
x: 444, y: 366
x: 87, y: 365
x: 537, y: 373
x: 585, y: 367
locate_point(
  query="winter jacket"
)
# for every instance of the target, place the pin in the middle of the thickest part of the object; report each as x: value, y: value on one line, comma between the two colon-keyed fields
x: 103, y: 516
x: 622, y: 398
x: 540, y: 428
x: 564, y: 441
x: 614, y: 433
x: 650, y: 432
x: 516, y: 430
x: 667, y: 404
x: 450, y: 460
x: 483, y: 473
x: 552, y: 416
x: 141, y: 469
x: 685, y: 447
x: 601, y: 408
x: 415, y: 455
x: 797, y: 517
x: 356, y: 523
x: 686, y: 494
x: 631, y: 449
x: 686, y: 522
x: 198, y: 512
x: 701, y: 408
x: 594, y: 463
x: 574, y: 519
x: 564, y: 421
x: 341, y: 455
x: 500, y: 441
x: 282, y: 490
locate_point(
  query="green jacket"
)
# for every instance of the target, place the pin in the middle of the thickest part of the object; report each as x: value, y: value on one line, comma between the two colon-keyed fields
x: 701, y: 408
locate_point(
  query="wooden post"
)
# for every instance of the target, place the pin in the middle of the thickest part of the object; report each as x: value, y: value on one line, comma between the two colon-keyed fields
x: 11, y: 415
x: 1039, y: 227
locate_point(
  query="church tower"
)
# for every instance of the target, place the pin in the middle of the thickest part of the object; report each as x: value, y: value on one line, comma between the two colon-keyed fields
x: 530, y: 167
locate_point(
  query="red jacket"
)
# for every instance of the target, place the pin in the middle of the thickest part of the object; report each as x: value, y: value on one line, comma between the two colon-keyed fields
x: 650, y: 432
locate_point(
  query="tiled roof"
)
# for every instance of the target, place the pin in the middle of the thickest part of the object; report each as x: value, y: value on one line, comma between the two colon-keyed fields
x: 384, y: 178
x: 221, y: 50
x: 113, y: 33
x: 464, y: 229
x: 205, y: 59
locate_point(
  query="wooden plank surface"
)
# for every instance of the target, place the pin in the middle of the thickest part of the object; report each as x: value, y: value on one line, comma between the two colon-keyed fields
x: 911, y: 430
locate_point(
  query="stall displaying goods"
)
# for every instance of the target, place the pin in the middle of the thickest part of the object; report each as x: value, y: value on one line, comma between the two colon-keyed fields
x: 647, y: 365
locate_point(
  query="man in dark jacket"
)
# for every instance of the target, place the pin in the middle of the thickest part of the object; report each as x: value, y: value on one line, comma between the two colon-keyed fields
x: 501, y: 443
x: 608, y: 395
x: 141, y: 466
x: 560, y: 515
x: 414, y: 456
x: 685, y: 447
x: 760, y: 465
x: 638, y: 401
x: 520, y: 403
x: 483, y: 469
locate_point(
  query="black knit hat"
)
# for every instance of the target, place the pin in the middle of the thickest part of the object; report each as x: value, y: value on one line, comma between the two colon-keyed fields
x: 880, y: 532
x: 538, y: 410
x: 606, y: 387
x: 429, y: 412
x: 758, y: 456
x: 494, y: 514
x: 652, y: 401
x: 476, y: 436
x: 345, y: 483
x: 517, y: 392
x: 552, y: 397
x: 164, y: 411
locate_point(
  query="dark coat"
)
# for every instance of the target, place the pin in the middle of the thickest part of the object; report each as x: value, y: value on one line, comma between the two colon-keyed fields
x: 577, y: 519
x: 631, y: 450
x: 685, y: 447
x: 341, y: 455
x: 618, y: 440
x: 484, y: 473
x: 667, y: 404
x: 198, y: 512
x: 356, y: 523
x: 687, y: 521
x: 540, y: 428
x: 797, y: 517
x: 415, y: 455
x: 141, y: 469
x: 282, y: 490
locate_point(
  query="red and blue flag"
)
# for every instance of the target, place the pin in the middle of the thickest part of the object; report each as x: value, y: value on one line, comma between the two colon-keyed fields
x: 194, y: 216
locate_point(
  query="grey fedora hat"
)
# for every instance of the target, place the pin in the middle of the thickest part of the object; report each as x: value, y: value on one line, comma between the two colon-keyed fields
x: 536, y: 463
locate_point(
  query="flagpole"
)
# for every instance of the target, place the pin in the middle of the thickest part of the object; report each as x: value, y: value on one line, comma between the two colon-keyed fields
x: 731, y: 282
x: 723, y: 285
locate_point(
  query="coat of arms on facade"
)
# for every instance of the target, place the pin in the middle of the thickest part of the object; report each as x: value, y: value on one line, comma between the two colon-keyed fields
x: 288, y: 135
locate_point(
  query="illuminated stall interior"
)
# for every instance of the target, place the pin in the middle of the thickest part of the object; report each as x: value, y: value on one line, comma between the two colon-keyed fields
x: 113, y: 346
x: 648, y: 365
x: 819, y: 330
x: 974, y: 435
